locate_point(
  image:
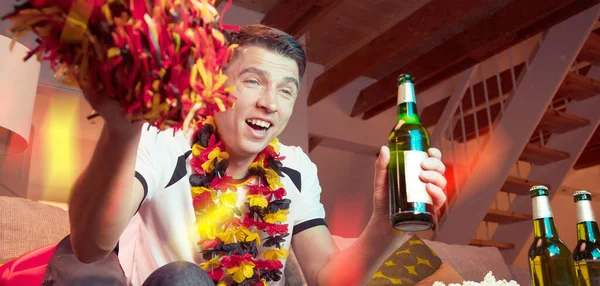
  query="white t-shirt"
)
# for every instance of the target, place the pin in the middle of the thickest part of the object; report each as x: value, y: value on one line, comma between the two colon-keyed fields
x: 162, y: 231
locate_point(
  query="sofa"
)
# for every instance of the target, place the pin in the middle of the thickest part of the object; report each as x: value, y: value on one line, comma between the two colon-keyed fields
x: 27, y: 225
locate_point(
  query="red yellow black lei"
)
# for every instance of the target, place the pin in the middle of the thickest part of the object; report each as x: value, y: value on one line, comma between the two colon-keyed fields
x: 229, y: 236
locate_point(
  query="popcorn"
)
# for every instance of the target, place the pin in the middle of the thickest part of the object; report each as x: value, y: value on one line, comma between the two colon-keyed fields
x: 489, y: 280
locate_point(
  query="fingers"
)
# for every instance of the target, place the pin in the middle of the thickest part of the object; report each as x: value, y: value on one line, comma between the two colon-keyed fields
x: 435, y: 183
x: 437, y: 195
x: 433, y: 177
x: 435, y: 153
x: 380, y: 184
x: 381, y: 168
x: 433, y: 164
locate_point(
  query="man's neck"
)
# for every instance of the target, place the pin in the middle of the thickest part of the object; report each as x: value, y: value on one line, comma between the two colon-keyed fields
x: 238, y: 167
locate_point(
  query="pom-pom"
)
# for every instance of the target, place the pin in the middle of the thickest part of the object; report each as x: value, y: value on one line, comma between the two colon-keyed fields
x: 162, y: 60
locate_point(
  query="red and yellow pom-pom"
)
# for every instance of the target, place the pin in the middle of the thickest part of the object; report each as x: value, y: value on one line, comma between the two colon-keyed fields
x: 163, y: 60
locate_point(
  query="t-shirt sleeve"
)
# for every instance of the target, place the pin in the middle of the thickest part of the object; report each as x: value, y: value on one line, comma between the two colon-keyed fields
x: 153, y: 164
x: 313, y: 212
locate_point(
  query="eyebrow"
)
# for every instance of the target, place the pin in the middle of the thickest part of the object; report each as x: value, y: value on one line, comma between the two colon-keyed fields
x: 265, y: 73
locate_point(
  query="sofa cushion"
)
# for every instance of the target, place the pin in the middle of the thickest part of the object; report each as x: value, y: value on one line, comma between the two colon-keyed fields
x: 294, y: 276
x: 26, y: 225
x: 409, y: 264
x: 446, y: 274
x: 472, y: 262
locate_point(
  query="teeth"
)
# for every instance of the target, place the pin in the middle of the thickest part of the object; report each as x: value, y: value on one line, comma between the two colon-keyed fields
x: 260, y: 123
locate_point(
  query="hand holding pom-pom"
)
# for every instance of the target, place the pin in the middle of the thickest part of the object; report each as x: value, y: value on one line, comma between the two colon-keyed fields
x: 161, y: 61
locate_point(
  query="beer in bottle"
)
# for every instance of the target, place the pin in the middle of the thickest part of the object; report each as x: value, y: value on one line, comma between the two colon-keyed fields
x: 587, y: 252
x: 550, y: 261
x: 411, y: 207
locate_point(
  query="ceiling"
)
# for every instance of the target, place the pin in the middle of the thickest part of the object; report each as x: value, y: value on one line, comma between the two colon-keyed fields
x: 431, y: 39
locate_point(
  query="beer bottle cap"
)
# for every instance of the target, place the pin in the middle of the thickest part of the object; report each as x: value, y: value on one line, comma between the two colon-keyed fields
x: 404, y: 78
x: 582, y: 195
x: 538, y: 190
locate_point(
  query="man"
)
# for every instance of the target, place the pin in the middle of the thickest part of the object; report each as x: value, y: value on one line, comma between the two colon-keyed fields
x: 148, y: 217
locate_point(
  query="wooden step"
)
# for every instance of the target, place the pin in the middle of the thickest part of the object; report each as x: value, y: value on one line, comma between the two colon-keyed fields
x: 588, y: 158
x: 518, y: 186
x: 560, y: 122
x: 553, y: 122
x: 505, y: 217
x: 590, y: 52
x: 556, y: 122
x: 578, y: 87
x: 535, y: 138
x: 539, y: 155
x: 497, y: 244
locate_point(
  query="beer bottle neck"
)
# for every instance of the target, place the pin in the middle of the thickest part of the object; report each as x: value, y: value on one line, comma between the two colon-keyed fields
x: 544, y: 227
x: 587, y: 228
x: 588, y: 231
x: 407, y: 106
x: 543, y: 219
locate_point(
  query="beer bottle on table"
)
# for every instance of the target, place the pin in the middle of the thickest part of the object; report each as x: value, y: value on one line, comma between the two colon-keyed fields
x: 550, y: 261
x: 411, y: 207
x: 587, y: 252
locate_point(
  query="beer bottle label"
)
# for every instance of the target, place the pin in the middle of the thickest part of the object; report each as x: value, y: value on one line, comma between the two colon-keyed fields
x: 541, y: 207
x: 406, y: 94
x: 584, y: 211
x: 416, y: 190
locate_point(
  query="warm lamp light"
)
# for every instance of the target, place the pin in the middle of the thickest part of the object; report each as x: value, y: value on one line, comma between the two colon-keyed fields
x: 18, y: 87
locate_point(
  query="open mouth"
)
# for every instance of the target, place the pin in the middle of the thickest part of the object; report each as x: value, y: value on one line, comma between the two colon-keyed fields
x: 258, y: 125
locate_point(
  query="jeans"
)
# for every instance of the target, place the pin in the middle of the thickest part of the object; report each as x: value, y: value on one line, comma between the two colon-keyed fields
x: 65, y: 269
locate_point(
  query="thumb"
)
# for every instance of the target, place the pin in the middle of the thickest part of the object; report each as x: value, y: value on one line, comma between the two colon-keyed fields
x: 381, y: 179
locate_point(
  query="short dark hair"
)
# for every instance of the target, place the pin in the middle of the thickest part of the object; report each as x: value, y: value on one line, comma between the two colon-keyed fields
x: 272, y: 39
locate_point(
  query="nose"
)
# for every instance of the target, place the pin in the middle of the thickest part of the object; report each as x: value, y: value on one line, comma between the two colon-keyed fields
x: 268, y: 102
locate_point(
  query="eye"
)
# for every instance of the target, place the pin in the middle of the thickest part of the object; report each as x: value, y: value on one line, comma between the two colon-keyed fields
x: 251, y: 81
x: 286, y: 91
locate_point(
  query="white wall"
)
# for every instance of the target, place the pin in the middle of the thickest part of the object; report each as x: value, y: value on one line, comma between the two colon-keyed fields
x: 62, y: 144
x: 347, y: 189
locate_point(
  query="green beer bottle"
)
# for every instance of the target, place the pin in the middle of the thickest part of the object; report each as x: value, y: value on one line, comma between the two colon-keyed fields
x: 550, y: 261
x: 587, y: 252
x: 411, y: 207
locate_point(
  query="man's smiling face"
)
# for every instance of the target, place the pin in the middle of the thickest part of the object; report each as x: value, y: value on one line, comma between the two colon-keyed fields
x: 267, y: 85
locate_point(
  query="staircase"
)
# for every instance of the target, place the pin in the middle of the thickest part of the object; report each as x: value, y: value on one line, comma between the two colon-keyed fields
x: 513, y: 122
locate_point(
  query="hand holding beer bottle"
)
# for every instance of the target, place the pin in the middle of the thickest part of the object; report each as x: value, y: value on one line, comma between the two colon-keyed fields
x: 411, y: 205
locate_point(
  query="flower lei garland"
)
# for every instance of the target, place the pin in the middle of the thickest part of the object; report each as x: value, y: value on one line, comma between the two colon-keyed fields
x: 229, y: 236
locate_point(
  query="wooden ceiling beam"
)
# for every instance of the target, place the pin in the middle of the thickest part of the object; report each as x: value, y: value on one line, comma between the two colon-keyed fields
x: 313, y: 142
x: 295, y: 16
x: 420, y: 86
x: 409, y: 32
x: 514, y: 23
